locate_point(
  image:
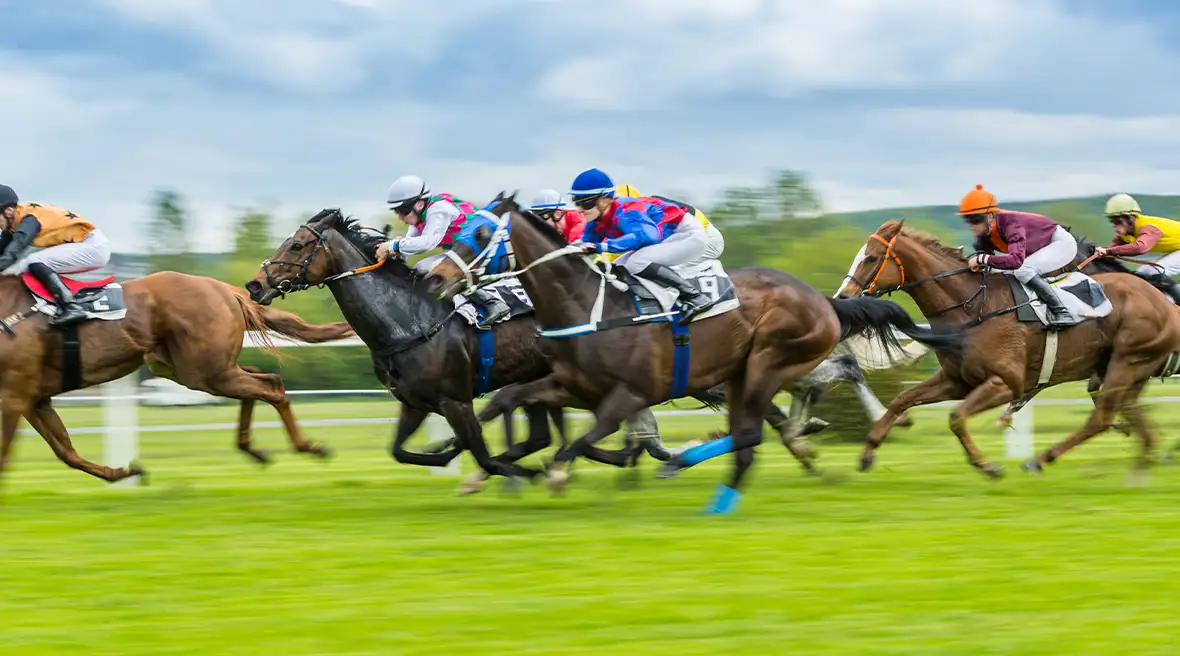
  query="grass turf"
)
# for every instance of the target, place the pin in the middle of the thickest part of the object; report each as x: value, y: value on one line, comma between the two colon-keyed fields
x: 360, y: 555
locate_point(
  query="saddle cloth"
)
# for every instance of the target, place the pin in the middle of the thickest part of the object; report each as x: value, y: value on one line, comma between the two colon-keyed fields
x: 1082, y: 296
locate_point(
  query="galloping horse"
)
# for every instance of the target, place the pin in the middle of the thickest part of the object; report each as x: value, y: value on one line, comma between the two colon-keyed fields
x: 781, y: 330
x: 1002, y: 364
x: 425, y: 353
x: 187, y: 328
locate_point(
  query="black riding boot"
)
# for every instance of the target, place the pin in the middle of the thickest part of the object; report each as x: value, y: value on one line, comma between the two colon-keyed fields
x: 495, y: 308
x: 1162, y: 283
x: 692, y: 301
x: 1058, y: 316
x: 68, y: 311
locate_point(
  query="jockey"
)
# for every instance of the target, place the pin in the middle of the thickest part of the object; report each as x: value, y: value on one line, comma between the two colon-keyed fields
x: 69, y: 245
x: 550, y: 205
x: 434, y: 222
x: 1136, y: 234
x: 655, y: 234
x: 1031, y: 245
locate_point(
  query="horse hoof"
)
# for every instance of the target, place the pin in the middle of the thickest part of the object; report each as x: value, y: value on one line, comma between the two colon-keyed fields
x: 321, y: 451
x: 557, y: 479
x: 1033, y: 466
x: 136, y: 469
x: 473, y: 484
x: 670, y: 469
x: 513, y: 486
x: 993, y: 471
x: 866, y: 462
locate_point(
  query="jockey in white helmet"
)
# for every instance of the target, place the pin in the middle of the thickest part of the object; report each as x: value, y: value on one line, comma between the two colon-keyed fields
x: 434, y: 221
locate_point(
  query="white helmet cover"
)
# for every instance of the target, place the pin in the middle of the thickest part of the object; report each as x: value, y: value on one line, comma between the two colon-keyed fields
x: 406, y: 188
x: 548, y: 199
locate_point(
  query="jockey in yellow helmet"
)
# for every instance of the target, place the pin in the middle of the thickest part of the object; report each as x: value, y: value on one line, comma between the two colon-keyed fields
x: 1136, y: 234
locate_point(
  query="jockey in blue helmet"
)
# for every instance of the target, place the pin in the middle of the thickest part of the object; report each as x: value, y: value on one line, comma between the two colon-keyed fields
x: 655, y: 234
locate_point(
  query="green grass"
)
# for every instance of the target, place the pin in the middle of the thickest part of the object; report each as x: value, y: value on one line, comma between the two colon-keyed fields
x: 361, y: 555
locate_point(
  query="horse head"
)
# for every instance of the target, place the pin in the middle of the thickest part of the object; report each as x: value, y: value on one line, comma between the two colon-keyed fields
x: 326, y: 245
x: 894, y: 256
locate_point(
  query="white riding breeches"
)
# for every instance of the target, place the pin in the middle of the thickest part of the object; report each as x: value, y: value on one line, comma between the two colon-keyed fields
x: 688, y: 244
x: 1058, y: 253
x: 714, y: 243
x: 1169, y: 262
x: 93, y: 252
x: 425, y: 264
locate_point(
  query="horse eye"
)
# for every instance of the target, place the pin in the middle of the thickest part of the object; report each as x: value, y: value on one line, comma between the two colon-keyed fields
x: 297, y: 246
x: 871, y: 258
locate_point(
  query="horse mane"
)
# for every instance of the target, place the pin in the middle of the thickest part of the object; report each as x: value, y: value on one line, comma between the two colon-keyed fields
x: 928, y: 240
x: 362, y: 238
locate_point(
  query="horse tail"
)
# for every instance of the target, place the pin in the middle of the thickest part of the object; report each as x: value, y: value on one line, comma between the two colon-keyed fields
x: 261, y: 321
x: 876, y: 318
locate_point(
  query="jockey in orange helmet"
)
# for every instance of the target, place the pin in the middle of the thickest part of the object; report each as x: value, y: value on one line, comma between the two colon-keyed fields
x: 1028, y: 245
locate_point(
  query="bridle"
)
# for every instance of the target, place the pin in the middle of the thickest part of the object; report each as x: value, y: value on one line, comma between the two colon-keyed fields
x: 871, y: 289
x: 300, y: 281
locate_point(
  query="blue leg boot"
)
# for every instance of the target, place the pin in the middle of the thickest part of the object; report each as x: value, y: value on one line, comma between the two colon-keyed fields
x: 695, y: 456
x: 725, y: 501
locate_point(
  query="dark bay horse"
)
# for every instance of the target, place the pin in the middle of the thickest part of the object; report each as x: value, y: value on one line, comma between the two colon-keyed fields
x: 186, y: 328
x: 1002, y: 364
x: 422, y: 350
x: 781, y: 331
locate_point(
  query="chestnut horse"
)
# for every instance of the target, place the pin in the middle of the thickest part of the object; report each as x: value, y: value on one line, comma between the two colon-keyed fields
x: 1002, y: 364
x: 187, y: 328
x: 782, y: 329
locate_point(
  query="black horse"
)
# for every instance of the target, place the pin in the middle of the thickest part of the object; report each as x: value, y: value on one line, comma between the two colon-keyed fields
x: 422, y: 350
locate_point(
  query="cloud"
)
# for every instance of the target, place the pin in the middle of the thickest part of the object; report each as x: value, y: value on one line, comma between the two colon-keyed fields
x: 300, y: 104
x: 795, y: 49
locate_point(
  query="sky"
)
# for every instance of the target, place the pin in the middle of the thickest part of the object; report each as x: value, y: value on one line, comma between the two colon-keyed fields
x: 296, y: 105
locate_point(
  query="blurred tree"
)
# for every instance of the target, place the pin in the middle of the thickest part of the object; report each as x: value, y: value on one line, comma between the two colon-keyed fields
x: 168, y: 234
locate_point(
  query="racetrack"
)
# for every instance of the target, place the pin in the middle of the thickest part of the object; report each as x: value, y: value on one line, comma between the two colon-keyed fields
x: 361, y: 555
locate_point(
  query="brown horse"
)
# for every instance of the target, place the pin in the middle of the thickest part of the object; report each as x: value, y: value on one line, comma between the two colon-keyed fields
x: 1004, y: 359
x: 187, y: 328
x: 782, y: 329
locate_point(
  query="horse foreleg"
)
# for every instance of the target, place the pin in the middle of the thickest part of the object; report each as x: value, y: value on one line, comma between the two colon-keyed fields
x: 932, y: 390
x: 45, y: 420
x: 792, y: 426
x: 993, y: 392
x: 461, y: 417
x: 618, y: 404
x: 410, y: 419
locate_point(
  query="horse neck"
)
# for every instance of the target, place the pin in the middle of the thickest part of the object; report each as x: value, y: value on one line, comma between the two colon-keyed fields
x: 563, y: 289
x: 381, y: 306
x: 921, y: 261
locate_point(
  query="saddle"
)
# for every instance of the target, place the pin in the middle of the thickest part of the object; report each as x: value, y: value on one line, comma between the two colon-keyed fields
x: 652, y: 298
x: 100, y: 299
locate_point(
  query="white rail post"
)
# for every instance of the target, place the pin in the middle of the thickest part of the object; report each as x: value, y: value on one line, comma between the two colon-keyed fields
x: 439, y: 430
x: 120, y: 443
x: 1018, y: 438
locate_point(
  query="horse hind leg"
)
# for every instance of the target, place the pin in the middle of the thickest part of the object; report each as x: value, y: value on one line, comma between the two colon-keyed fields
x: 248, y: 384
x: 45, y: 420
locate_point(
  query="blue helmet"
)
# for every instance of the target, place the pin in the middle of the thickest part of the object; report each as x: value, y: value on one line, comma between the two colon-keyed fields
x: 592, y: 183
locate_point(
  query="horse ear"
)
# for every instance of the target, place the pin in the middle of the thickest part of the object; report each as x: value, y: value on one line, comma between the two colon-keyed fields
x: 386, y: 230
x: 483, y: 236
